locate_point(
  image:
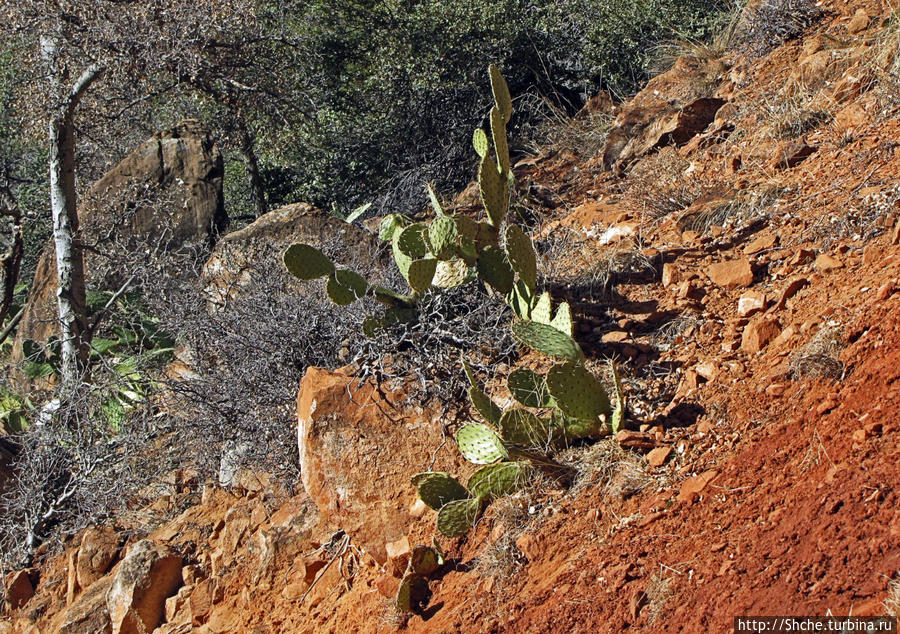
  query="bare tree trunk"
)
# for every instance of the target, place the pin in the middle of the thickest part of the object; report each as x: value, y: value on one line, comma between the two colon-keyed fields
x: 251, y: 163
x: 70, y: 292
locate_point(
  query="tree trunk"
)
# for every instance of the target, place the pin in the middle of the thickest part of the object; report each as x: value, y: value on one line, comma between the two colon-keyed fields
x: 70, y: 291
x: 251, y: 164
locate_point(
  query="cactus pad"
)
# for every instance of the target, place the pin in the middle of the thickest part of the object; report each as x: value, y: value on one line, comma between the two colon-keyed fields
x: 402, y: 259
x: 563, y: 320
x: 480, y: 444
x: 344, y: 287
x: 521, y: 255
x: 521, y: 427
x: 421, y: 274
x: 496, y: 480
x: 411, y: 242
x: 501, y: 92
x: 442, y: 235
x: 306, y: 263
x: 528, y: 388
x: 435, y: 203
x: 420, y: 477
x: 578, y: 393
x: 543, y: 309
x: 519, y: 299
x: 480, y: 142
x: 547, y: 340
x: 483, y: 404
x: 424, y: 560
x: 389, y: 224
x: 493, y: 191
x: 501, y: 146
x: 438, y: 489
x: 450, y: 273
x: 455, y: 518
x: 412, y: 593
x: 494, y: 269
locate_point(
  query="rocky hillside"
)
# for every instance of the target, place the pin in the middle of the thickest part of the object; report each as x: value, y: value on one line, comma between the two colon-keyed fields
x: 732, y: 241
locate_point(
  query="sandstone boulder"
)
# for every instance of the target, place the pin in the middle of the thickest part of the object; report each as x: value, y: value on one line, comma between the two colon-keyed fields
x: 148, y: 575
x: 358, y: 450
x: 256, y: 249
x: 89, y: 614
x: 731, y: 273
x: 19, y: 589
x: 168, y: 189
x: 99, y: 547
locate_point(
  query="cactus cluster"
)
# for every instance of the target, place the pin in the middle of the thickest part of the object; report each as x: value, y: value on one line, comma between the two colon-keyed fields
x: 423, y: 561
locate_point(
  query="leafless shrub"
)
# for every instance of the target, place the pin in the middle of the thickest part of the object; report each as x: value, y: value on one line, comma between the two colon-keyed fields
x: 791, y: 115
x: 819, y: 358
x: 768, y: 24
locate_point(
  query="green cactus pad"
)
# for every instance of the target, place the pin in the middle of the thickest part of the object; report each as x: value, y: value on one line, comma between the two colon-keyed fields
x: 421, y: 274
x: 563, y: 320
x: 496, y: 480
x: 618, y: 413
x: 412, y: 593
x: 519, y: 299
x: 398, y: 315
x: 389, y: 224
x: 480, y: 142
x: 528, y: 388
x: 420, y: 477
x: 501, y: 92
x: 521, y: 427
x: 578, y: 393
x: 547, y: 340
x: 402, y: 259
x: 493, y: 191
x: 442, y: 235
x: 424, y: 560
x: 483, y: 404
x: 411, y: 241
x: 438, y: 489
x: 501, y: 146
x: 435, y: 203
x: 494, y: 269
x: 391, y: 298
x: 455, y: 518
x: 371, y: 326
x: 306, y: 263
x: 344, y: 287
x: 480, y: 444
x: 543, y: 309
x: 450, y: 273
x: 521, y: 255
x: 470, y: 374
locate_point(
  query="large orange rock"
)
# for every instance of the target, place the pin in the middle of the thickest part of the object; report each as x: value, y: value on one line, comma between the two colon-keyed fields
x: 358, y: 449
x: 98, y: 550
x: 149, y: 574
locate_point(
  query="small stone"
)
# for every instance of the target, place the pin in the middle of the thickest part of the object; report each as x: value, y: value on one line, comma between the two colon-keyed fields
x: 791, y: 154
x: 657, y: 457
x: 777, y: 389
x: 885, y: 291
x: 418, y: 508
x: 387, y: 585
x: 707, y: 370
x: 762, y: 243
x: 858, y: 23
x: 692, y: 487
x: 704, y: 427
x: 731, y: 274
x: 616, y: 336
x: 635, y: 439
x: 757, y: 335
x: 751, y: 303
x: 398, y: 555
x: 826, y: 406
x: 859, y: 435
x: 669, y: 275
x: 790, y: 290
x: 528, y: 546
x: 826, y: 263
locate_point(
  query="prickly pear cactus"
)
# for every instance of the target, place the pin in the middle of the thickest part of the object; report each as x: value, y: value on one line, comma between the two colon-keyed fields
x: 421, y: 274
x: 437, y: 489
x: 413, y: 591
x: 547, y: 340
x: 345, y: 287
x: 542, y: 312
x: 480, y: 444
x: 480, y: 142
x: 501, y: 147
x: 500, y: 89
x: 482, y: 403
x: 521, y: 427
x: 563, y: 319
x: 450, y: 273
x: 455, y: 518
x: 442, y: 234
x: 306, y: 263
x: 424, y: 560
x: 578, y: 393
x: 529, y: 389
x: 494, y: 191
x: 494, y: 269
x: 496, y: 480
x: 521, y: 255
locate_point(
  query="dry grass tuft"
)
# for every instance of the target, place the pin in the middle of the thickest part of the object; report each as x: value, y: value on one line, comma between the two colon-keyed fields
x: 819, y: 358
x: 606, y: 465
x: 791, y: 115
x: 659, y: 592
x: 892, y: 602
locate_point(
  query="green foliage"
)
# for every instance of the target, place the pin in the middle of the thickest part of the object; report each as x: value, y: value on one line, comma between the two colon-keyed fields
x: 547, y: 340
x: 306, y: 263
x: 437, y: 489
x: 577, y: 392
x: 529, y: 389
x: 456, y: 518
x: 480, y: 444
